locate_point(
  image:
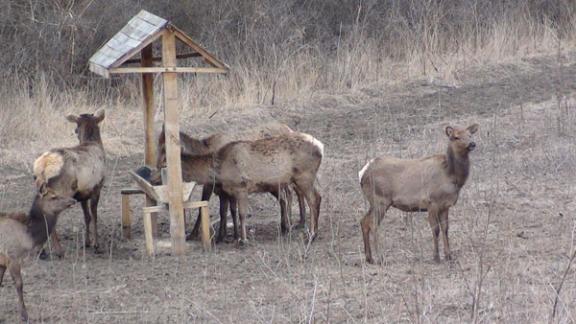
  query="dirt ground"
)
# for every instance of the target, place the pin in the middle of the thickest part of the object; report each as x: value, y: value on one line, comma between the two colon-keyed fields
x: 512, y: 231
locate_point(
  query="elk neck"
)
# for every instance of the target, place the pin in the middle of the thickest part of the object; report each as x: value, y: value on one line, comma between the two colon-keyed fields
x: 457, y: 166
x: 39, y: 225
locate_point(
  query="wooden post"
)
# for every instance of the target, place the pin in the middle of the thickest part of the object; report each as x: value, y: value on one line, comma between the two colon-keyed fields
x: 149, y: 142
x: 172, y: 129
x: 205, y: 227
x: 126, y: 217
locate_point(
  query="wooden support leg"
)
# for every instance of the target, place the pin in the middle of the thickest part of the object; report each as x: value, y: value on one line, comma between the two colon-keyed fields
x: 126, y: 217
x: 205, y: 219
x: 148, y: 233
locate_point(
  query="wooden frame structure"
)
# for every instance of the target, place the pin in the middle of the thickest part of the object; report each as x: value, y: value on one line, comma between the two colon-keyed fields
x: 137, y: 37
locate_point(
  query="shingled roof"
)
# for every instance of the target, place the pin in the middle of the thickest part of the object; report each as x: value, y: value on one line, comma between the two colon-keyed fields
x: 140, y: 31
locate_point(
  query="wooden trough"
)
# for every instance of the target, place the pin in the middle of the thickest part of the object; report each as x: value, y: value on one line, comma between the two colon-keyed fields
x: 116, y: 56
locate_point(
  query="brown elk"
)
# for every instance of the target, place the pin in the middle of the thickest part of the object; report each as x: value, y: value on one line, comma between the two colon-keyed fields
x: 429, y: 184
x: 21, y: 235
x: 265, y: 165
x: 77, y: 172
x: 210, y: 145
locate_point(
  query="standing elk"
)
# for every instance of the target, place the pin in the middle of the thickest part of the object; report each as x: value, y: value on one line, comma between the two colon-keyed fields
x: 77, y: 172
x: 210, y: 145
x: 429, y: 184
x: 21, y: 235
x: 266, y: 165
x: 247, y: 167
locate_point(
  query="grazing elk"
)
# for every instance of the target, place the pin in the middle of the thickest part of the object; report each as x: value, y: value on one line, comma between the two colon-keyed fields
x: 265, y: 165
x: 77, y: 172
x: 210, y: 145
x: 22, y: 235
x: 430, y: 184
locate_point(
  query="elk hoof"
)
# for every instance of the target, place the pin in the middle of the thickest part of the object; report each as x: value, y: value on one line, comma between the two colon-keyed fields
x: 220, y: 238
x: 436, y: 259
x: 299, y: 226
x: 43, y: 255
x: 448, y: 257
x: 97, y: 249
x: 242, y: 243
x: 24, y: 317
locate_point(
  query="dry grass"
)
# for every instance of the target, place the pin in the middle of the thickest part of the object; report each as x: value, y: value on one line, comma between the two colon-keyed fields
x: 512, y: 231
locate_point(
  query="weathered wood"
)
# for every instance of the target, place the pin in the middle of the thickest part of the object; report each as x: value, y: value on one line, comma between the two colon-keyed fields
x: 172, y: 131
x: 158, y: 59
x: 161, y: 193
x: 126, y: 217
x: 187, y: 205
x: 205, y: 225
x: 131, y: 191
x: 158, y: 69
x: 211, y: 59
x: 148, y: 233
x: 149, y: 142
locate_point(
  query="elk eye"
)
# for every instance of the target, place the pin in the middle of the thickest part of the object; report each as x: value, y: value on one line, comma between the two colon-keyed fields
x: 456, y: 138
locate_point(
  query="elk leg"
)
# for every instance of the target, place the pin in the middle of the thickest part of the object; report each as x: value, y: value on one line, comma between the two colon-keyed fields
x: 242, y: 201
x: 14, y: 269
x: 302, y: 207
x: 288, y: 195
x: 87, y: 221
x: 57, y: 248
x: 366, y: 225
x: 444, y: 226
x: 94, y: 211
x: 284, y: 224
x: 313, y: 203
x: 224, y: 206
x: 233, y: 210
x: 2, y: 270
x: 206, y: 194
x: 434, y: 225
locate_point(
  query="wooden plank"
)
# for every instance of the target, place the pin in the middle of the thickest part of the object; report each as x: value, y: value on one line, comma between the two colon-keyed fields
x: 122, y: 43
x: 152, y: 19
x: 158, y: 59
x: 137, y: 49
x: 211, y: 59
x: 148, y: 107
x: 158, y: 69
x: 148, y: 234
x: 187, y: 205
x: 205, y: 226
x: 98, y: 70
x: 139, y: 29
x: 126, y: 217
x: 172, y: 131
x: 131, y: 191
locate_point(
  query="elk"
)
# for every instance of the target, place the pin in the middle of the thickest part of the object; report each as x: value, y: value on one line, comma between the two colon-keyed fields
x: 266, y: 165
x: 21, y: 235
x: 429, y: 184
x: 246, y: 167
x: 77, y: 172
x: 210, y: 145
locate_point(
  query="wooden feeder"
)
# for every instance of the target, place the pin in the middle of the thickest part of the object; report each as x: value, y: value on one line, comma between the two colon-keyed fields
x: 116, y: 56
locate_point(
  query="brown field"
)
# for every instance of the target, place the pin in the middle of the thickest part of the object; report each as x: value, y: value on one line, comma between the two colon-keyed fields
x: 512, y: 232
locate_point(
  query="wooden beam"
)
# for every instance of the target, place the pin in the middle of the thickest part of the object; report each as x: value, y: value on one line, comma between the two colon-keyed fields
x: 172, y: 130
x: 160, y: 69
x: 211, y: 59
x: 158, y: 59
x: 149, y: 139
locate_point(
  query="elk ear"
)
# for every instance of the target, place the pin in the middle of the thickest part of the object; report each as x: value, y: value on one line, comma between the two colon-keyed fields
x: 449, y: 131
x: 42, y: 190
x: 72, y: 118
x: 473, y: 128
x: 99, y: 114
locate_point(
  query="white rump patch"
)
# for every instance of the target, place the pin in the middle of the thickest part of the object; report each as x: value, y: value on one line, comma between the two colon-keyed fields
x: 313, y: 140
x: 361, y: 173
x: 47, y: 166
